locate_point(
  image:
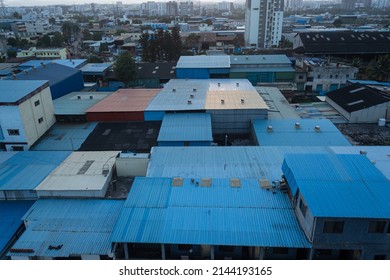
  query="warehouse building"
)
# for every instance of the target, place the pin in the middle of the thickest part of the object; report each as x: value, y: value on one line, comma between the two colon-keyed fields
x: 341, y: 202
x: 73, y: 63
x: 11, y: 224
x: 73, y: 106
x: 298, y: 132
x: 24, y: 171
x: 26, y: 113
x: 185, y: 129
x: 207, y: 218
x: 82, y: 174
x: 360, y: 104
x: 58, y: 229
x: 124, y: 105
x: 62, y: 79
x: 94, y: 72
x: 203, y: 67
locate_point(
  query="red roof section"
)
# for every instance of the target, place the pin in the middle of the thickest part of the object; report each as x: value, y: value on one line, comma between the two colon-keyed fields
x: 125, y: 100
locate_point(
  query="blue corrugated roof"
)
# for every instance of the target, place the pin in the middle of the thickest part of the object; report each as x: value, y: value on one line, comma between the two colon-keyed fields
x: 82, y: 227
x: 202, y: 61
x: 156, y: 212
x: 186, y: 127
x: 14, y: 90
x: 339, y: 185
x: 77, y: 103
x: 286, y: 133
x: 11, y: 213
x: 73, y: 63
x: 95, y: 68
x: 25, y: 170
x: 259, y: 59
x: 222, y: 162
x: 65, y: 137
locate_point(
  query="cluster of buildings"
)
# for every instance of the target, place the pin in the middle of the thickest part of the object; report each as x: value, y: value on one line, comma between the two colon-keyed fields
x: 165, y: 173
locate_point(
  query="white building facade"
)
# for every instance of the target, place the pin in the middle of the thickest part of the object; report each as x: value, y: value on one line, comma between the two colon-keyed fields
x: 263, y: 23
x: 25, y: 118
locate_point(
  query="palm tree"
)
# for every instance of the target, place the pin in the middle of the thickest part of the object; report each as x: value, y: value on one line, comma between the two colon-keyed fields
x: 379, y: 69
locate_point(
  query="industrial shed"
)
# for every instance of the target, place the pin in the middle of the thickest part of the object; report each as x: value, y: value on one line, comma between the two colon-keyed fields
x: 203, y: 67
x: 68, y: 229
x: 93, y: 72
x: 11, y: 224
x: 185, y: 129
x: 62, y: 79
x: 82, y: 174
x: 124, y: 105
x: 73, y: 106
x: 22, y: 173
x: 360, y: 104
x: 342, y: 204
x: 298, y: 132
x: 207, y: 218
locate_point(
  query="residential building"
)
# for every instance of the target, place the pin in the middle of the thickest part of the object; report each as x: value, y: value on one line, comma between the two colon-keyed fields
x: 263, y: 23
x: 59, y: 53
x: 30, y: 28
x: 172, y: 8
x: 322, y: 76
x: 186, y: 9
x: 26, y: 113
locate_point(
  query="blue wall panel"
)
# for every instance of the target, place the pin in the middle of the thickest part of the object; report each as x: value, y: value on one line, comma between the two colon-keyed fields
x: 154, y: 115
x: 73, y: 83
x: 192, y: 73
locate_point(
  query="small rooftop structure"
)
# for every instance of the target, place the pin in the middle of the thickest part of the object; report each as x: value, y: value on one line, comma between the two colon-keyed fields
x: 22, y: 173
x: 298, y: 132
x: 194, y: 128
x: 190, y: 213
x: 82, y: 174
x: 64, y: 228
x: 95, y: 68
x: 339, y: 186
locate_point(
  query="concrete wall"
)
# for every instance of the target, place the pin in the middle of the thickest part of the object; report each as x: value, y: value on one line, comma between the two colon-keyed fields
x: 371, y: 114
x: 131, y: 166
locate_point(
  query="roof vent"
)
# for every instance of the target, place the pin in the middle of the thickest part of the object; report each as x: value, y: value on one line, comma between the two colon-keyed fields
x: 78, y: 97
x: 43, y: 64
x: 362, y: 152
x: 242, y: 101
x: 25, y: 72
x: 174, y: 90
x: 34, y: 68
x: 246, y: 58
x: 317, y: 128
x: 297, y: 125
x: 91, y: 97
x: 222, y: 101
x: 238, y: 84
x: 194, y: 89
x: 373, y: 162
x: 189, y: 101
x: 269, y: 128
x: 219, y: 84
x: 191, y: 96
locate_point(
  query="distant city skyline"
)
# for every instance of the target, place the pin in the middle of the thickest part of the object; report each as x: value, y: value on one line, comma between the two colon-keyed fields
x: 18, y: 3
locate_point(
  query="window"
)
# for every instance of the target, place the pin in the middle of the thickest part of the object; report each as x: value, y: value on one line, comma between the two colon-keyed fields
x: 13, y: 132
x: 40, y: 120
x: 300, y: 77
x: 333, y: 227
x: 331, y: 76
x: 302, y: 207
x: 17, y: 148
x: 347, y: 75
x: 226, y: 249
x: 36, y: 103
x: 336, y: 76
x: 318, y: 76
x: 309, y: 79
x: 377, y: 227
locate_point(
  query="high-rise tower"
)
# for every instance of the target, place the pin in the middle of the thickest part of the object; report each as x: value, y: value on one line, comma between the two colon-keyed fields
x: 263, y: 23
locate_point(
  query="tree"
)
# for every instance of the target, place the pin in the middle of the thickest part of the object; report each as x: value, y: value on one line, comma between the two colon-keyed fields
x: 57, y: 40
x: 192, y: 41
x: 16, y: 15
x: 144, y: 41
x: 52, y: 20
x: 69, y: 30
x: 44, y: 42
x: 125, y: 68
x: 177, y: 43
x: 87, y: 34
x: 379, y: 69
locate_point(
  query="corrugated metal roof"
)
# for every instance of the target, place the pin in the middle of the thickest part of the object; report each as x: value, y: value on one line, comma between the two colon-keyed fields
x: 201, y: 61
x: 25, y: 170
x: 14, y: 90
x: 339, y: 185
x: 222, y: 162
x: 299, y: 132
x: 267, y: 60
x: 4, y: 155
x: 82, y: 227
x: 76, y: 103
x: 216, y: 215
x: 81, y: 171
x: 73, y: 63
x: 64, y: 137
x: 125, y: 100
x: 380, y: 155
x: 95, y: 68
x: 11, y: 213
x: 186, y: 127
x: 261, y: 69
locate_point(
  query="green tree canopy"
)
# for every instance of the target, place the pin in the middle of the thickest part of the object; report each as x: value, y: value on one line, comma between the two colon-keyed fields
x: 379, y: 69
x: 125, y: 68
